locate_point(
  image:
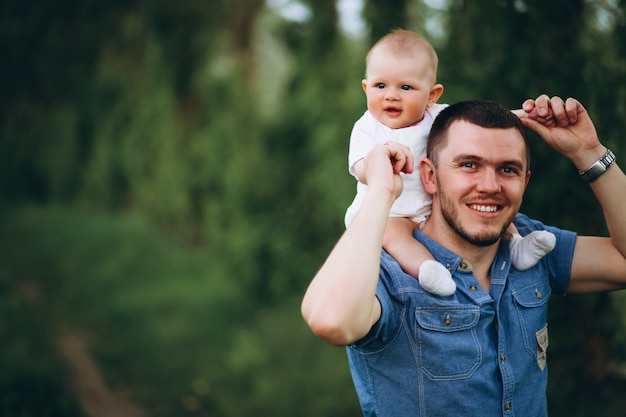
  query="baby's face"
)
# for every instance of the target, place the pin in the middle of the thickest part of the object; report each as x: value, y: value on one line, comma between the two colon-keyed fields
x: 398, y: 89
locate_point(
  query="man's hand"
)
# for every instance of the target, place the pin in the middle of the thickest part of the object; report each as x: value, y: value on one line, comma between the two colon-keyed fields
x: 565, y: 126
x: 383, y: 165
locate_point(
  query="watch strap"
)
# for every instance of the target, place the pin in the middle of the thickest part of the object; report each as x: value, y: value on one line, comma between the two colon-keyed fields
x: 599, y: 167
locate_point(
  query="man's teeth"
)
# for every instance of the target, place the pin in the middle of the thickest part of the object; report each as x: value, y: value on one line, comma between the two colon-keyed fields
x: 484, y: 209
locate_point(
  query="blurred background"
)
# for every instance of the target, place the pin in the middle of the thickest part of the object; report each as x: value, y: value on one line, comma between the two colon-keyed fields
x: 173, y: 173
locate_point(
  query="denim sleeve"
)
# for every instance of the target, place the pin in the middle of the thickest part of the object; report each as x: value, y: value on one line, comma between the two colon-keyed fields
x: 388, y: 325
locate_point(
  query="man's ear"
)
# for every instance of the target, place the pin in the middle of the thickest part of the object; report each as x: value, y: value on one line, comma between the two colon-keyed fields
x: 527, y: 179
x: 435, y: 93
x: 429, y: 176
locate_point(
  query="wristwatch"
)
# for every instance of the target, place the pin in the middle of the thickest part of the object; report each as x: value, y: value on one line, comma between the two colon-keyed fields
x: 599, y: 167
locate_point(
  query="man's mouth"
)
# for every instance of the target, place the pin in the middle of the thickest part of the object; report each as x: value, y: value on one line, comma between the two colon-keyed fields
x: 484, y: 208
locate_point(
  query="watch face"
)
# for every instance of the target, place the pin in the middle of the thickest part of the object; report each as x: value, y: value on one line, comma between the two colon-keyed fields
x: 599, y: 167
x: 596, y: 169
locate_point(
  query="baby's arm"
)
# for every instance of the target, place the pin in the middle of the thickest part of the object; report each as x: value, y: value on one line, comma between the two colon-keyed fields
x: 359, y: 170
x: 414, y: 258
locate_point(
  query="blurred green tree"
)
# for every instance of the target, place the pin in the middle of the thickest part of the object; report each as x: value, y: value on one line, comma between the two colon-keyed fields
x: 225, y: 126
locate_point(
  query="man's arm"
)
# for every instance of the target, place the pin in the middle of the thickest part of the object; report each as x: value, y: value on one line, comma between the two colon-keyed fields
x: 340, y: 304
x: 599, y: 263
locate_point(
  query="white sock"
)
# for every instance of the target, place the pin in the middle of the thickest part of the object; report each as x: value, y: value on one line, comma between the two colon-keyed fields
x: 528, y: 250
x: 436, y: 279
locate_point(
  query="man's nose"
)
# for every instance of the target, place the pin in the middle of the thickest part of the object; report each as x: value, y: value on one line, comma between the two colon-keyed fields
x: 488, y: 181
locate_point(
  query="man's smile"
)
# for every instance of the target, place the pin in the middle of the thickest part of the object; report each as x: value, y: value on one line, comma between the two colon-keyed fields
x: 484, y: 208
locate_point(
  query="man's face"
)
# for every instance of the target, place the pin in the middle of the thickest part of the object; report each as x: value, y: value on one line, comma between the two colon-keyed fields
x: 481, y: 176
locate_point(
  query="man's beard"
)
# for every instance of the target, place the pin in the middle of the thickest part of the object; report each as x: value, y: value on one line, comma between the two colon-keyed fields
x: 450, y: 214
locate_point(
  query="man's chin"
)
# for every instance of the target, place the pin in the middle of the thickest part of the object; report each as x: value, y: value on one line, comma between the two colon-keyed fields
x: 483, y: 238
x: 484, y: 242
x: 481, y: 234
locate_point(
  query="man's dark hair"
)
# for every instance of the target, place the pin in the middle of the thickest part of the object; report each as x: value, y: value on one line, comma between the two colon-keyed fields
x: 483, y: 113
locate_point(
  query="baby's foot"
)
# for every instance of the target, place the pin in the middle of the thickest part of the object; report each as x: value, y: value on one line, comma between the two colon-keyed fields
x: 528, y: 250
x: 436, y: 279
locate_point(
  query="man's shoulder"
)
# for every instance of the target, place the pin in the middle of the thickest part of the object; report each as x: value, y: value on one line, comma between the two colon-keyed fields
x: 527, y: 225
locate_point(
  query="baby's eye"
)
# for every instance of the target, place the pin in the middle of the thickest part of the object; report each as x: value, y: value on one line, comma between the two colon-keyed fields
x: 380, y: 85
x: 406, y: 87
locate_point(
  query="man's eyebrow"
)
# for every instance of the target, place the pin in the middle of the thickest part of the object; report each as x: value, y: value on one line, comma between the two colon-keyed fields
x: 465, y: 157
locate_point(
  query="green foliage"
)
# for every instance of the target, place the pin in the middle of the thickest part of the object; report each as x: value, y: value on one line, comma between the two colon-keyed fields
x: 31, y: 378
x: 587, y: 359
x: 166, y: 322
x: 384, y: 16
x: 188, y: 160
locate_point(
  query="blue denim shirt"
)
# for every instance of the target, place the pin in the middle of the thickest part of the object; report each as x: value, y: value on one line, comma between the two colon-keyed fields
x: 469, y: 354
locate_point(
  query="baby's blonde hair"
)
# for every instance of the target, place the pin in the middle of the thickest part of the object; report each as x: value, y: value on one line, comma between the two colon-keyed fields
x: 406, y: 44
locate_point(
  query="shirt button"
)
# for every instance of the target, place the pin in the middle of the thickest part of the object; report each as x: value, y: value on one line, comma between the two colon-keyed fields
x: 447, y: 320
x: 538, y: 294
x: 507, y: 406
x: 463, y: 265
x: 473, y: 288
x: 502, y: 357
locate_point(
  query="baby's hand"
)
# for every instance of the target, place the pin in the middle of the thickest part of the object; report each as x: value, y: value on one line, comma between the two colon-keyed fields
x: 538, y: 110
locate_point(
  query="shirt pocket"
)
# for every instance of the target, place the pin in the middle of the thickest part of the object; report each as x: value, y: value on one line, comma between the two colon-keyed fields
x: 532, y: 312
x: 448, y: 347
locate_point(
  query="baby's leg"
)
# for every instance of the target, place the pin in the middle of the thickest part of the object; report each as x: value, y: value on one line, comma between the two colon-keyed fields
x: 528, y: 250
x: 415, y: 259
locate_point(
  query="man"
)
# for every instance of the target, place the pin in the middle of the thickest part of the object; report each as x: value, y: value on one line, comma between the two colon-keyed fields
x: 482, y: 350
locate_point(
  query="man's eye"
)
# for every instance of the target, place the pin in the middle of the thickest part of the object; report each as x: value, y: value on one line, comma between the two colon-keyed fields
x: 406, y: 87
x: 509, y: 170
x: 380, y: 85
x: 468, y: 165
